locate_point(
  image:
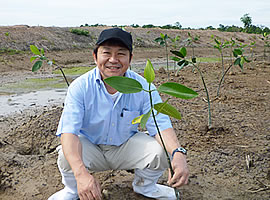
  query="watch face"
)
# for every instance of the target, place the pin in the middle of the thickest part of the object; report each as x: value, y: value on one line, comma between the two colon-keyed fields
x: 181, y: 149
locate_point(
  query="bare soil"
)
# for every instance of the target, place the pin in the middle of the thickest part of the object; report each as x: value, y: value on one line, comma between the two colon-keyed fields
x: 217, y: 157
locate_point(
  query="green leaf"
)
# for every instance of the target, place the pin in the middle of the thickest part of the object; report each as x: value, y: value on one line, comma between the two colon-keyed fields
x: 33, y: 58
x: 124, y: 84
x: 183, y: 51
x: 42, y: 51
x: 166, y: 37
x: 246, y: 60
x: 177, y: 90
x: 34, y: 50
x: 162, y: 43
x: 145, y: 118
x: 237, y: 61
x: 159, y: 39
x: 182, y: 63
x: 175, y: 58
x: 237, y: 52
x: 162, y: 35
x: 167, y: 109
x: 37, y: 66
x: 242, y: 62
x: 149, y: 73
x: 177, y: 53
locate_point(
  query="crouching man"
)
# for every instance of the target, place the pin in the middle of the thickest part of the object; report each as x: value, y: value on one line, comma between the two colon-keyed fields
x: 97, y: 134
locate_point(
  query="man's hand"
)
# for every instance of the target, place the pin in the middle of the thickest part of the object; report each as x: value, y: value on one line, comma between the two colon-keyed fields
x: 88, y: 187
x: 181, y: 173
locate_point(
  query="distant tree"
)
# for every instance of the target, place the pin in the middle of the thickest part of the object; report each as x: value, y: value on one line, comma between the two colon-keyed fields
x: 247, y: 21
x: 148, y: 26
x: 221, y: 27
x: 135, y: 25
x: 210, y: 28
x: 177, y: 24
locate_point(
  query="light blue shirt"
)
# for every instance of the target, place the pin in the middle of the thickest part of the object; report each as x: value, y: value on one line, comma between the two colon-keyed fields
x: 90, y: 111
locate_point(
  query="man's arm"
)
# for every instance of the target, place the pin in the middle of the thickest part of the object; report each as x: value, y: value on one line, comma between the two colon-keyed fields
x: 88, y: 187
x: 179, y: 163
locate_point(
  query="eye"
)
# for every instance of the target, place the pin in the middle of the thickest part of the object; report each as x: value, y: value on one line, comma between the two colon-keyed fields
x: 121, y: 54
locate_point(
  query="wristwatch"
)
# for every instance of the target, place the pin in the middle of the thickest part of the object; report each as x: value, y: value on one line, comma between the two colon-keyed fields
x: 181, y: 150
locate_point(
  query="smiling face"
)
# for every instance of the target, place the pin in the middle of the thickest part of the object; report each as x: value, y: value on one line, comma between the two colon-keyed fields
x: 112, y: 60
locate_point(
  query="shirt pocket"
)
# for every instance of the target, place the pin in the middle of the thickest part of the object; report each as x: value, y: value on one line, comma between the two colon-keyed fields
x: 126, y: 126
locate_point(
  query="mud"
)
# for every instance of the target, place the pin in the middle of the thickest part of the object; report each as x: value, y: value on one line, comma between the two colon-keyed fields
x: 217, y: 157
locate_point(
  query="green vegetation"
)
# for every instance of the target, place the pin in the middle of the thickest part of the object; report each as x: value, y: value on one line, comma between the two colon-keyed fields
x: 246, y: 19
x: 180, y: 56
x: 35, y: 84
x: 79, y: 31
x: 74, y: 71
x: 162, y: 40
x: 10, y: 51
x: 40, y: 57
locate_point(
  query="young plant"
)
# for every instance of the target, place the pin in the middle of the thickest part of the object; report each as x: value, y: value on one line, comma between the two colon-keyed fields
x: 174, y: 45
x: 266, y: 41
x: 127, y: 85
x: 231, y: 44
x: 219, y: 45
x: 191, y: 40
x: 182, y: 62
x: 162, y: 40
x: 252, y: 46
x: 39, y: 55
x: 240, y: 59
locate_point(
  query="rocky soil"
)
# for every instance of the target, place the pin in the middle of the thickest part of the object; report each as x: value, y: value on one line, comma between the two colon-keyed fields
x: 229, y: 161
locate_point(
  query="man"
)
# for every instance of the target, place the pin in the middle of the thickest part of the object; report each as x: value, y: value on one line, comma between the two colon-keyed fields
x: 97, y: 133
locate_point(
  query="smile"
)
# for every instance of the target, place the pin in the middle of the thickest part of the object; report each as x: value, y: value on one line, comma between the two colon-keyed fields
x: 113, y: 67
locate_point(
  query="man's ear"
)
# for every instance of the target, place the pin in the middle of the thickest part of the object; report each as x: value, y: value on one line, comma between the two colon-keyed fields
x: 131, y: 56
x: 95, y: 57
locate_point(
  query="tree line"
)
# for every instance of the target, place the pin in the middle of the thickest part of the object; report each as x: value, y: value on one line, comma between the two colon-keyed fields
x: 245, y: 19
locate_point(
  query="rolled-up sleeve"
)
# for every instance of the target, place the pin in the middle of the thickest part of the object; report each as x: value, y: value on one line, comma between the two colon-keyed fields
x: 72, y: 116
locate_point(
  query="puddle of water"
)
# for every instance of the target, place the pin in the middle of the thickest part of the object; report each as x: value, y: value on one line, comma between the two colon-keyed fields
x: 18, y: 102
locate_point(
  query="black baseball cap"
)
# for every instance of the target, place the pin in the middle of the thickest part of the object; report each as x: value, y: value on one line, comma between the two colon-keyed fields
x: 116, y: 33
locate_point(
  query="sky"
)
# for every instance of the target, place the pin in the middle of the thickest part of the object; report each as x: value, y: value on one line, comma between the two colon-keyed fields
x: 189, y: 13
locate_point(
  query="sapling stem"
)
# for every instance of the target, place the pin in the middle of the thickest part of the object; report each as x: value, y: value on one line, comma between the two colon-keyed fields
x: 163, y: 144
x: 167, y: 59
x: 207, y: 95
x: 60, y: 68
x: 222, y: 78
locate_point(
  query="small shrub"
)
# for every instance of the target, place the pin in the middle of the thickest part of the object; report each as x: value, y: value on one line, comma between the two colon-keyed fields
x: 79, y: 31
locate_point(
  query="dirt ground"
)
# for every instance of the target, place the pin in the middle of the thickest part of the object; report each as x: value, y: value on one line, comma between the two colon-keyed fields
x: 217, y: 157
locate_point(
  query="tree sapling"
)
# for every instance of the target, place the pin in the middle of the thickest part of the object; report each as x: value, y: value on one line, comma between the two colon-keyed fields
x: 127, y: 85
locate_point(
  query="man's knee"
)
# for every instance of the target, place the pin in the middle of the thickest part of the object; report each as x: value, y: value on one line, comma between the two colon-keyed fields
x: 159, y: 160
x: 63, y: 164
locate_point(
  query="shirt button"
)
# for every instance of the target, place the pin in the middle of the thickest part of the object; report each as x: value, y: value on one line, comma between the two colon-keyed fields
x: 110, y: 139
x: 112, y: 124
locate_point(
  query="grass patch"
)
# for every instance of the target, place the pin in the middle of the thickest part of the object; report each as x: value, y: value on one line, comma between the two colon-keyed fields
x: 34, y: 84
x: 74, y: 71
x: 10, y: 51
x: 208, y: 59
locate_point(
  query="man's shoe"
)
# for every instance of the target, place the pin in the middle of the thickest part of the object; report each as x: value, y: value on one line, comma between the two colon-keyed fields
x: 64, y: 194
x: 157, y: 191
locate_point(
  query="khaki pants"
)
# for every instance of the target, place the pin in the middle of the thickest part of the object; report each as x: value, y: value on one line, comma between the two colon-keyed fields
x: 139, y: 152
